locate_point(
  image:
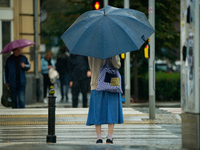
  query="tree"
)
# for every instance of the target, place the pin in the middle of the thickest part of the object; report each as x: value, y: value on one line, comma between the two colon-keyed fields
x: 166, y: 36
x: 166, y: 16
x: 61, y: 14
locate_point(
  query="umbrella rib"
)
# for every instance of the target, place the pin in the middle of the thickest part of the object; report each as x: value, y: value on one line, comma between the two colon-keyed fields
x: 82, y: 34
x: 139, y: 22
x: 123, y: 30
x: 117, y: 31
x: 114, y: 36
x: 146, y: 23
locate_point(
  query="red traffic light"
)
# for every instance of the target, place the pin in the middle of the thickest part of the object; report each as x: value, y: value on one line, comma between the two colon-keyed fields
x: 97, y: 5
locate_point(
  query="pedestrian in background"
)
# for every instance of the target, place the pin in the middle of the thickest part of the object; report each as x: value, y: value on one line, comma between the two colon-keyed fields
x: 62, y: 66
x: 15, y: 67
x: 79, y: 75
x: 47, y: 63
x: 105, y: 107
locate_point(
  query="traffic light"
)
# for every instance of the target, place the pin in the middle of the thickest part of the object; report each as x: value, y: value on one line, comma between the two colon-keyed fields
x: 97, y: 4
x: 123, y: 55
x: 147, y: 49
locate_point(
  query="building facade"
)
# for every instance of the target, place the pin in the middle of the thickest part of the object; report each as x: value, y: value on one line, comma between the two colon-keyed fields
x: 190, y: 73
x: 17, y: 22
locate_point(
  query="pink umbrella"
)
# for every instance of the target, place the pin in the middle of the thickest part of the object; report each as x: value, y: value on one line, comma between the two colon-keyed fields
x: 15, y: 44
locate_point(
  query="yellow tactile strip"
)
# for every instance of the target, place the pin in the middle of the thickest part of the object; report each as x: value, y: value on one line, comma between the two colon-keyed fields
x: 66, y: 122
x: 23, y: 116
x: 64, y: 115
x: 42, y: 122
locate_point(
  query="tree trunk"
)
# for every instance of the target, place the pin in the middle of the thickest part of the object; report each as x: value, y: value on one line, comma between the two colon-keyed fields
x: 136, y: 98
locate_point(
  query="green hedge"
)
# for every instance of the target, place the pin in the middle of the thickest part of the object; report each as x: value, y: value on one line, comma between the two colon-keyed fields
x: 167, y: 86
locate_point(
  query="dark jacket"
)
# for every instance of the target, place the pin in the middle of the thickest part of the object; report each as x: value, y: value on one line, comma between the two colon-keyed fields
x: 78, y: 67
x: 10, y: 70
x: 62, y: 64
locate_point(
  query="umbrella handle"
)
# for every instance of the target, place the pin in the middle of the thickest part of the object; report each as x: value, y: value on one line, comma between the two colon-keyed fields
x: 143, y: 38
x: 107, y: 62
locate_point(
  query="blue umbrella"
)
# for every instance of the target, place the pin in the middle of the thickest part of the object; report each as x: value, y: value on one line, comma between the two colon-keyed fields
x: 107, y: 32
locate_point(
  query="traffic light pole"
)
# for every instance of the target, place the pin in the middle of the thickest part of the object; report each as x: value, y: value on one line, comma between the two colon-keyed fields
x: 151, y: 62
x: 105, y: 3
x: 127, y: 70
x: 36, y: 36
x: 37, y: 79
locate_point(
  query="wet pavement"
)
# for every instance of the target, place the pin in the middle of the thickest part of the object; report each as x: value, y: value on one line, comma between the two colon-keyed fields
x: 27, y: 129
x: 76, y: 147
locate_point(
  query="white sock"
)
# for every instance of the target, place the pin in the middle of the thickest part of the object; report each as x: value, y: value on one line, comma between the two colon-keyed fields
x: 109, y: 136
x: 99, y: 136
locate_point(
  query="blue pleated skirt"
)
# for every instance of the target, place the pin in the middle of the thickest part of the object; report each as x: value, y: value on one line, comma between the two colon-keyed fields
x: 105, y: 108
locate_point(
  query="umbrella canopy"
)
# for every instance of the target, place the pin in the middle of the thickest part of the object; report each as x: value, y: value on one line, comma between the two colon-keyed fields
x: 107, y: 32
x: 15, y: 44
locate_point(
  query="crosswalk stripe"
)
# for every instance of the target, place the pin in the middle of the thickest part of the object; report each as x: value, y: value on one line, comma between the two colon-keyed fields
x: 124, y: 134
x: 90, y: 137
x: 64, y: 122
x: 63, y: 115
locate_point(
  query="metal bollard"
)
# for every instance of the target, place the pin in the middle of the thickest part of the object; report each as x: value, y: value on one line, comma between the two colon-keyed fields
x: 51, y: 137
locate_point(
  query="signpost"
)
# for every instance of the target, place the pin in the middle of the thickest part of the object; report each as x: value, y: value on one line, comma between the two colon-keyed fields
x: 127, y: 70
x: 151, y: 62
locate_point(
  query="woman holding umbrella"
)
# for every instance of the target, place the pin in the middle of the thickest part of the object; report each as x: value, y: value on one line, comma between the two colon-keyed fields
x: 101, y: 34
x: 15, y: 67
x: 105, y: 107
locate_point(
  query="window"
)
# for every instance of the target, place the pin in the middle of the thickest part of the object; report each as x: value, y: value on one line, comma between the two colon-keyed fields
x: 4, y: 3
x: 6, y: 36
x: 6, y: 32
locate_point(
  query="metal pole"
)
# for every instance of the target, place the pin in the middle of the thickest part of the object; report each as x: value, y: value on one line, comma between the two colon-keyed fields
x: 105, y: 3
x: 36, y: 49
x: 151, y: 62
x: 51, y: 137
x: 127, y: 70
x: 36, y: 35
x: 1, y: 63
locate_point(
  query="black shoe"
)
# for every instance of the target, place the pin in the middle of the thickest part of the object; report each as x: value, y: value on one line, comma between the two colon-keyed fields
x: 99, y: 141
x: 109, y: 141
